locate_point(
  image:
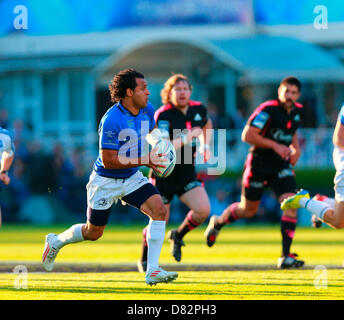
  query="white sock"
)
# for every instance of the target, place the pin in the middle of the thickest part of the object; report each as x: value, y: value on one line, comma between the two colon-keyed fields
x: 318, y: 208
x: 331, y: 202
x: 71, y: 235
x: 155, y: 238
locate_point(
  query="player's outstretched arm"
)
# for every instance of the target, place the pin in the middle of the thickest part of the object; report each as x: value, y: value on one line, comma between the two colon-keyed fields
x: 112, y: 160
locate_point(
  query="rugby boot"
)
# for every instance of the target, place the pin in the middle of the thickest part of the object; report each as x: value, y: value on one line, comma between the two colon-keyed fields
x: 289, y: 261
x: 160, y: 275
x: 211, y: 232
x: 50, y: 252
x: 293, y: 201
x: 176, y: 244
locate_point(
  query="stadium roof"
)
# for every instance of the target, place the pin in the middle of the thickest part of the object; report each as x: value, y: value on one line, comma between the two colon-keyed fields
x: 268, y: 58
x: 255, y: 58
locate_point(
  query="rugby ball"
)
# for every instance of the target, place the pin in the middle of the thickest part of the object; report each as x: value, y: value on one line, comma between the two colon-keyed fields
x: 165, y: 146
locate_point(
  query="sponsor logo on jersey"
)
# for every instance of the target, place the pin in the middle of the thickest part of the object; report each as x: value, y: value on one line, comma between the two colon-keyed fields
x: 102, y: 202
x: 110, y: 134
x: 279, y: 135
x: 164, y: 125
x: 260, y: 120
x: 130, y: 123
x: 285, y: 173
x: 197, y: 117
x: 255, y: 184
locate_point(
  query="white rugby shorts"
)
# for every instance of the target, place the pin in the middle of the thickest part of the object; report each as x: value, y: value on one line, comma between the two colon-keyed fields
x: 103, y: 192
x: 338, y: 160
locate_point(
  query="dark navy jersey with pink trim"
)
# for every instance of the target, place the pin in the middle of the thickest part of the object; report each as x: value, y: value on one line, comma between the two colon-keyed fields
x: 169, y: 118
x: 276, y: 124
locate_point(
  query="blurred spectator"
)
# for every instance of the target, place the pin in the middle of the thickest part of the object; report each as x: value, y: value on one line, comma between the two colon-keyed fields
x: 71, y: 178
x: 41, y: 177
x: 218, y: 201
x: 17, y: 192
x: 213, y: 114
x: 20, y: 138
x: 4, y: 122
x: 19, y: 130
x: 269, y: 209
x: 309, y: 102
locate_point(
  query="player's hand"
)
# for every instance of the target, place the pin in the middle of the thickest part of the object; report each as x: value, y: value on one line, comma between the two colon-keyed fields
x: 283, y: 151
x: 193, y: 133
x: 204, y: 150
x: 157, y: 160
x: 5, y: 178
x: 294, y: 156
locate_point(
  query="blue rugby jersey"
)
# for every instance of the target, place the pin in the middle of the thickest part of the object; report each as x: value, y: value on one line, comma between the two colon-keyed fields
x: 120, y: 130
x: 6, y: 142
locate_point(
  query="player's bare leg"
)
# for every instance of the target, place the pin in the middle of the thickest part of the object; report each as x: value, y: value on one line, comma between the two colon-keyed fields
x: 76, y: 233
x: 244, y: 209
x: 197, y: 200
x: 334, y: 217
x: 92, y: 232
x: 288, y: 226
x: 155, y: 209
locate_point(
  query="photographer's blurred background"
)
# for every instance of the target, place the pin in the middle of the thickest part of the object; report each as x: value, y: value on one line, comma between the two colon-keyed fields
x: 57, y: 58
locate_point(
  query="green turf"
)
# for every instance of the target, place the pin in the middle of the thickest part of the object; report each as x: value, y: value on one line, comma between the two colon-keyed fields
x: 236, y: 246
x: 220, y: 285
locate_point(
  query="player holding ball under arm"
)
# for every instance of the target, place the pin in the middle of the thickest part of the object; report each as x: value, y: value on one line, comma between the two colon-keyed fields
x: 116, y: 176
x: 272, y: 132
x: 179, y: 113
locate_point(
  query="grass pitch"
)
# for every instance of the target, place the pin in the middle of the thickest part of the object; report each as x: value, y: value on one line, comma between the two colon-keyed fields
x: 240, y: 266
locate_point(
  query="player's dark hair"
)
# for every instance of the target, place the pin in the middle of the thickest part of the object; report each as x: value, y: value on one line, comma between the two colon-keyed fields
x: 292, y: 81
x: 121, y: 82
x: 169, y: 84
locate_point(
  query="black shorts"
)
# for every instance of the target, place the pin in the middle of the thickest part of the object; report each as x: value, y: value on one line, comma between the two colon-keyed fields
x: 258, y: 175
x: 168, y: 190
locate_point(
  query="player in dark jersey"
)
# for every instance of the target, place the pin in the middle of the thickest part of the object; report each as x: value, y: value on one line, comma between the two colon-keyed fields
x: 272, y: 132
x: 190, y: 117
